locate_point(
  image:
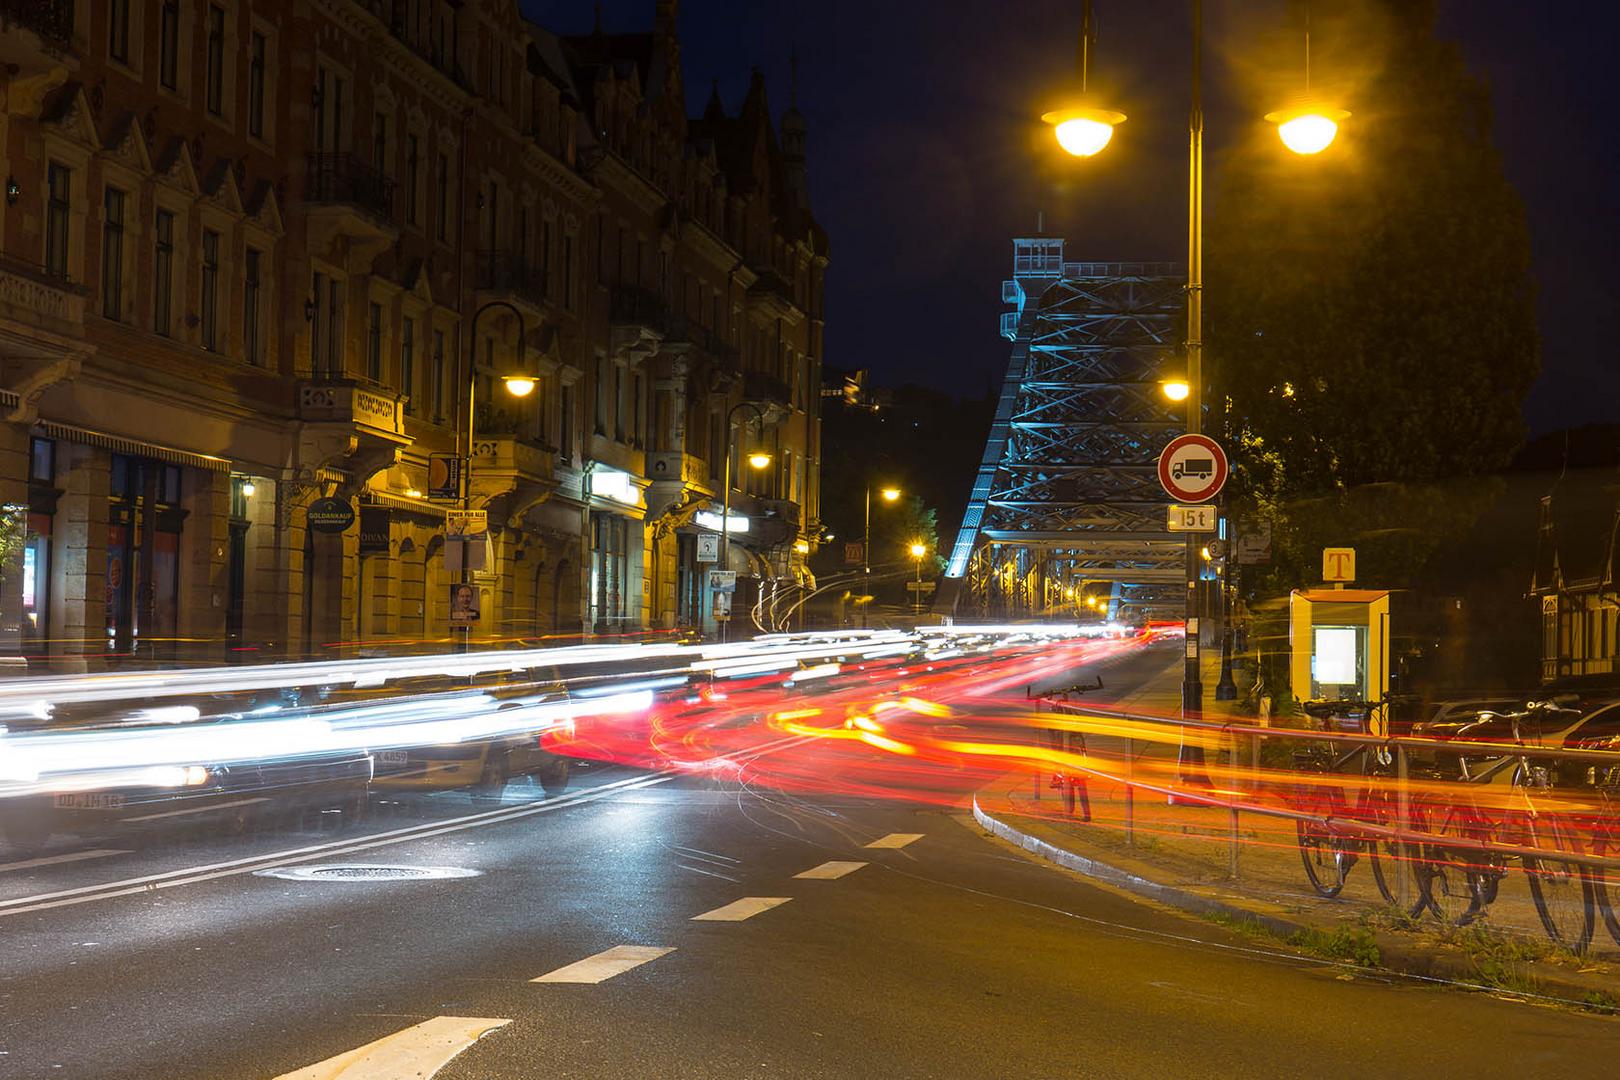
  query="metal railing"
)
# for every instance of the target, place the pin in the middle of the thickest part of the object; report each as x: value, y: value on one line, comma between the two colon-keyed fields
x: 632, y: 305
x: 345, y: 178
x: 508, y: 271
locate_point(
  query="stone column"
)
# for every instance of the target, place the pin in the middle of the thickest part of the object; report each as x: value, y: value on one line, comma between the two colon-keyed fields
x: 79, y: 554
x: 205, y: 561
x: 14, y: 523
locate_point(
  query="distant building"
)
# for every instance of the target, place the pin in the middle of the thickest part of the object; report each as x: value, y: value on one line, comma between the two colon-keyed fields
x: 1577, y: 585
x: 254, y: 254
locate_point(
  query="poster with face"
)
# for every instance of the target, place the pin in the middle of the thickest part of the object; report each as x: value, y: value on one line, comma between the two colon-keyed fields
x: 463, y: 605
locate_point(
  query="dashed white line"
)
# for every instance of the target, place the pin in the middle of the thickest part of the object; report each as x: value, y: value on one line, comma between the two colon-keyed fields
x: 605, y: 964
x: 895, y: 840
x: 738, y: 910
x: 827, y: 871
x: 419, y: 1051
x: 66, y: 857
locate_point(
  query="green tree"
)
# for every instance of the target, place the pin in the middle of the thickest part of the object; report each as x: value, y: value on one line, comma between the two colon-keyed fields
x: 1370, y: 310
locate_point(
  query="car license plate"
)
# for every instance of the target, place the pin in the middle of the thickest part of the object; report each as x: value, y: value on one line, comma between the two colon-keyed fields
x: 392, y: 757
x: 89, y: 800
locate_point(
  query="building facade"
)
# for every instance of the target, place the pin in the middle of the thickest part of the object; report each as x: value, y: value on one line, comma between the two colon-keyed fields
x: 259, y: 255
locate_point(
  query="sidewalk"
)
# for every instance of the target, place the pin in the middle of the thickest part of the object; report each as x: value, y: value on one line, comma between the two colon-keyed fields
x: 1191, y: 857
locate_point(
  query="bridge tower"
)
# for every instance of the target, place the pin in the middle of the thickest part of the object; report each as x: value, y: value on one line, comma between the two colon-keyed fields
x: 1067, y: 501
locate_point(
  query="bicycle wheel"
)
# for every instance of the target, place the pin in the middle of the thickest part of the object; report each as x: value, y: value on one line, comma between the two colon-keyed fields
x: 1327, y: 856
x: 1602, y: 892
x: 1562, y: 890
x: 1390, y: 864
x: 1454, y: 881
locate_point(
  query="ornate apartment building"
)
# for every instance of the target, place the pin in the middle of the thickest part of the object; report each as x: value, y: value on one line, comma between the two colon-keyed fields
x: 259, y: 254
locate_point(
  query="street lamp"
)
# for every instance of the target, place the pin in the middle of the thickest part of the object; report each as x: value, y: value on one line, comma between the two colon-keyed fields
x: 1308, y: 126
x: 918, y: 549
x: 518, y: 385
x: 1083, y: 127
x: 758, y: 458
x: 888, y: 495
x: 1306, y: 130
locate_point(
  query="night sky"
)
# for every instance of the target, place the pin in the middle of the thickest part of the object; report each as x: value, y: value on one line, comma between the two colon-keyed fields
x: 926, y: 156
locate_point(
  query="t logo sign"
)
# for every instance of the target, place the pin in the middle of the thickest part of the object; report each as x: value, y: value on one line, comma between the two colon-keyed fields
x: 1339, y: 564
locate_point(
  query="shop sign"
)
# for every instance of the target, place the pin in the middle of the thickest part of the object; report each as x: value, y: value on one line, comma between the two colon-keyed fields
x: 330, y: 515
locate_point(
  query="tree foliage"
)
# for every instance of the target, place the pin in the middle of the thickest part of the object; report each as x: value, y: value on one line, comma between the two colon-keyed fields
x: 1370, y: 310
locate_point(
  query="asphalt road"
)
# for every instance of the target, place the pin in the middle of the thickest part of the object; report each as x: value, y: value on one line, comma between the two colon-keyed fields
x: 944, y: 954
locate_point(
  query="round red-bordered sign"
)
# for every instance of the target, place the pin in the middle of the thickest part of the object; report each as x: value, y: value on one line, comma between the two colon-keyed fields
x: 1192, y: 469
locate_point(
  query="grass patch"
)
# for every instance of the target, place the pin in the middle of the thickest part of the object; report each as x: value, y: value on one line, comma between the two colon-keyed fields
x: 1237, y: 924
x: 1598, y: 1001
x: 1348, y: 944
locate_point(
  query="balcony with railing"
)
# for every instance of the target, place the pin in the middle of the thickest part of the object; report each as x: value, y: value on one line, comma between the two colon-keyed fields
x: 633, y: 305
x: 348, y: 197
x: 509, y: 275
x: 764, y: 388
x: 774, y: 290
x: 40, y: 31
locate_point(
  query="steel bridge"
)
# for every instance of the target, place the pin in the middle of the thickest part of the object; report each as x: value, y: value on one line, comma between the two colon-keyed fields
x: 1066, y: 506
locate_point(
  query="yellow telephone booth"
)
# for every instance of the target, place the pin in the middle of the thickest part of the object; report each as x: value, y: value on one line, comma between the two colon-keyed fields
x: 1338, y: 643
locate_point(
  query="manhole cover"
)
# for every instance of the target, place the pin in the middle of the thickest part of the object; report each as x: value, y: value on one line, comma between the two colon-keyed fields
x: 367, y: 873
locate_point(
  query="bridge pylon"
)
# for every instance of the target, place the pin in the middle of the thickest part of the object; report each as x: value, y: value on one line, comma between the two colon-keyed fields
x: 1066, y: 504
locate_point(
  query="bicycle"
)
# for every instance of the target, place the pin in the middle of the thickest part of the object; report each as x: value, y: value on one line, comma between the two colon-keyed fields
x: 1329, y: 853
x: 1458, y: 882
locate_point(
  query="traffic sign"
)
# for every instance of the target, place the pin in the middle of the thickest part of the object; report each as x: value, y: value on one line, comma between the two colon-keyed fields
x: 1254, y: 544
x: 1192, y: 518
x: 1192, y: 469
x: 920, y: 586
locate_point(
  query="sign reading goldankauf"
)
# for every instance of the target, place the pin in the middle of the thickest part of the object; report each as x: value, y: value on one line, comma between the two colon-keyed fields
x: 330, y: 515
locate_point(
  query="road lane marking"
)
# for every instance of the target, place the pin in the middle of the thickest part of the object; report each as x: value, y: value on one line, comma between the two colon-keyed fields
x: 249, y: 864
x: 710, y: 873
x: 210, y: 808
x: 52, y: 860
x: 827, y: 871
x: 895, y: 840
x: 738, y: 910
x: 605, y: 964
x: 419, y: 1051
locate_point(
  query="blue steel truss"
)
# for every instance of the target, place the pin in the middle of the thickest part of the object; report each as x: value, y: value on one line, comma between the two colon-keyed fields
x: 1066, y: 501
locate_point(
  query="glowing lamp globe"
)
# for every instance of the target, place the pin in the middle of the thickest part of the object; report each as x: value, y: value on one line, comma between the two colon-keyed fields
x: 918, y: 551
x: 759, y: 459
x: 1308, y: 130
x: 891, y: 494
x: 519, y: 385
x: 1083, y: 131
x: 1176, y: 389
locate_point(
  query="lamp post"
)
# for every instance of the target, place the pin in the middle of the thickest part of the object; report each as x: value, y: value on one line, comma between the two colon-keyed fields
x: 518, y: 385
x: 1308, y: 127
x: 918, y: 550
x: 889, y: 495
x: 757, y: 459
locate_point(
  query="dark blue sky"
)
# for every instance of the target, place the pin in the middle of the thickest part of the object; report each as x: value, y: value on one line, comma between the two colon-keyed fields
x: 925, y: 158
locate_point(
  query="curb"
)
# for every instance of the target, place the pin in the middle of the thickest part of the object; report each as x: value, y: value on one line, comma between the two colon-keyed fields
x: 1124, y: 879
x: 1402, y: 957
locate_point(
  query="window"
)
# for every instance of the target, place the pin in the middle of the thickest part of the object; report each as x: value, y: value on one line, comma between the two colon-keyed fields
x: 216, y: 60
x: 545, y: 258
x: 118, y: 30
x: 329, y: 112
x: 407, y: 365
x: 413, y: 180
x: 566, y: 437
x: 568, y: 271
x: 112, y: 254
x: 210, y: 290
x: 256, y: 51
x: 374, y: 365
x: 58, y: 183
x: 326, y: 328
x: 169, y: 45
x: 436, y: 377
x: 379, y: 142
x: 494, y: 212
x: 250, y: 305
x: 162, y: 272
x: 603, y: 371
x: 442, y: 197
